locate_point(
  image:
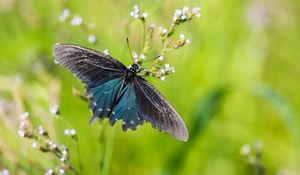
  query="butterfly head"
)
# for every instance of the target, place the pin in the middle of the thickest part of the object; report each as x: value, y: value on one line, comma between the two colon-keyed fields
x: 134, y: 68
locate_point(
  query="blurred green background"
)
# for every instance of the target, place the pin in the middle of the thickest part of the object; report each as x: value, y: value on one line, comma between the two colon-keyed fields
x: 236, y: 86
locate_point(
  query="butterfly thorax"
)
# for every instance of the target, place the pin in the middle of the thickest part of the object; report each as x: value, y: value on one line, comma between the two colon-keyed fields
x: 132, y: 71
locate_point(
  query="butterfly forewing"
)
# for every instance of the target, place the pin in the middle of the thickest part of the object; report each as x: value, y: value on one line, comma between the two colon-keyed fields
x: 91, y: 67
x: 154, y: 108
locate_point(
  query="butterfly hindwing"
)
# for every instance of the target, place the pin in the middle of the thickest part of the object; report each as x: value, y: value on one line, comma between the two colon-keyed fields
x: 91, y: 67
x: 115, y: 100
x: 104, y: 97
x: 154, y: 108
x: 127, y: 109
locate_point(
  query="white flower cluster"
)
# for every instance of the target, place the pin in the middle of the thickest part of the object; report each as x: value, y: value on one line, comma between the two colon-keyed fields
x: 136, y: 13
x: 162, y: 31
x: 54, y: 109
x: 137, y: 58
x: 49, y: 172
x: 182, y: 38
x: 25, y: 125
x: 64, y: 156
x: 59, y: 169
x: 71, y: 132
x: 4, y: 172
x: 64, y: 15
x: 41, y: 130
x: 76, y: 20
x: 51, y: 145
x: 245, y: 150
x: 185, y: 14
x: 106, y: 52
x: 166, y: 70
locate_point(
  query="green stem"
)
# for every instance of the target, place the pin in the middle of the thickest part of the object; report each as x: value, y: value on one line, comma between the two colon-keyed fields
x: 79, y: 156
x: 144, y: 35
x: 108, y: 151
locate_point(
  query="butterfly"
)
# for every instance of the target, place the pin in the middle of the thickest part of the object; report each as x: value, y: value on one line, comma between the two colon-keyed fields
x: 119, y: 93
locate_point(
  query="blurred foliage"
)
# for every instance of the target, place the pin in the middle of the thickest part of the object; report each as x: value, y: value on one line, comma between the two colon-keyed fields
x: 235, y: 83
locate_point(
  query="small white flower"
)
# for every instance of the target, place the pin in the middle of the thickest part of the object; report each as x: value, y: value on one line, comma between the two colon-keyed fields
x: 76, y: 20
x: 162, y: 30
x: 49, y: 171
x: 152, y: 26
x: 142, y: 56
x: 64, y: 15
x: 50, y: 142
x: 54, y: 109
x: 21, y: 133
x: 160, y: 58
x: 73, y: 132
x: 22, y: 124
x: 61, y: 171
x: 183, y: 17
x: 64, y: 152
x: 187, y: 41
x: 137, y: 11
x: 178, y: 12
x: 185, y: 9
x: 181, y: 36
x: 136, y: 16
x: 62, y: 159
x: 67, y: 132
x: 24, y: 115
x: 167, y: 66
x: 162, y: 71
x: 173, y: 69
x: 106, y: 52
x: 196, y: 10
x: 135, y: 56
x: 175, y: 18
x: 135, y: 7
x: 163, y: 78
x: 132, y: 13
x: 92, y: 39
x: 34, y: 145
x: 54, y: 146
x: 4, y: 172
x: 40, y: 130
x: 245, y: 150
x: 145, y: 15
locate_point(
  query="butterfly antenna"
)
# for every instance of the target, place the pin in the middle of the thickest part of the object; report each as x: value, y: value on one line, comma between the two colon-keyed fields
x: 127, y: 40
x: 151, y: 59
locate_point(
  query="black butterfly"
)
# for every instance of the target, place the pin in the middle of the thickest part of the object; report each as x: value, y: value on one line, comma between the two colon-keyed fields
x: 119, y: 93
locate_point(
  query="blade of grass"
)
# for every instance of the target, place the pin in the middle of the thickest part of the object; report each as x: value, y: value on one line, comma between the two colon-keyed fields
x: 204, y: 111
x: 287, y: 114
